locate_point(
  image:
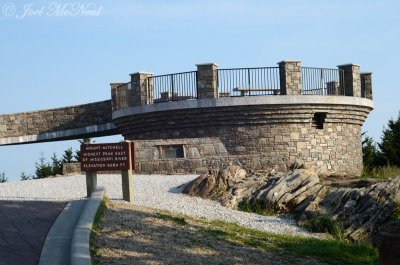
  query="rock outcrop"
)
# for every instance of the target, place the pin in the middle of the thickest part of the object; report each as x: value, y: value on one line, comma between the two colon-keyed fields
x: 360, y: 211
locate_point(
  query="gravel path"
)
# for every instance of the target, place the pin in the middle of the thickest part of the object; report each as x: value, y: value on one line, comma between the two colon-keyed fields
x: 155, y: 191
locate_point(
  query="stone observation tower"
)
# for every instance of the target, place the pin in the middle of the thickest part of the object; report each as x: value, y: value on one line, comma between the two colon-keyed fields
x: 192, y: 121
x: 188, y: 122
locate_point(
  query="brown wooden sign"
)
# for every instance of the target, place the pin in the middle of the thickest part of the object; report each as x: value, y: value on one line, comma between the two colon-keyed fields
x: 107, y: 157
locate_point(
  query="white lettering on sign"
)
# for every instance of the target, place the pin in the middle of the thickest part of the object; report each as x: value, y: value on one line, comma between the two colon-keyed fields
x: 104, y: 157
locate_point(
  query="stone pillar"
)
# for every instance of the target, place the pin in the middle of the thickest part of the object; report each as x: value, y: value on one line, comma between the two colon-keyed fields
x: 333, y: 88
x: 119, y: 95
x: 366, y: 85
x: 207, y: 80
x: 351, y: 79
x: 290, y: 77
x: 140, y: 93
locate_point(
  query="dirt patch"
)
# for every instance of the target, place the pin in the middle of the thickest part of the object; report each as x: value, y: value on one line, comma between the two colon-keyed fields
x: 138, y: 235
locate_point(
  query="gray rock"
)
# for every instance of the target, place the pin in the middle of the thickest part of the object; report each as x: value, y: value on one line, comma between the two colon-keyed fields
x: 360, y: 211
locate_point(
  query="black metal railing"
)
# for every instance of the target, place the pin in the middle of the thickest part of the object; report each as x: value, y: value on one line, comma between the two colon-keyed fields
x: 256, y: 81
x: 172, y: 87
x: 322, y: 81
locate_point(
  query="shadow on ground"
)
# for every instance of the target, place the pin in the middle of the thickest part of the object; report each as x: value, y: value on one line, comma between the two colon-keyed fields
x: 139, y: 235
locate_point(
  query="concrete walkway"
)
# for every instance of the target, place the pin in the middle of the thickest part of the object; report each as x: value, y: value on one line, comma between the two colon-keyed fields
x: 23, y: 229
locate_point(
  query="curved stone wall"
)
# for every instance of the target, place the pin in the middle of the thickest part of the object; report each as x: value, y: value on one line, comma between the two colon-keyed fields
x: 258, y: 131
x: 72, y: 122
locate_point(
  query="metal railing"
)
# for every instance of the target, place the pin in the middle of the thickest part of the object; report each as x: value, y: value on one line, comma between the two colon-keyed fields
x: 233, y: 82
x: 256, y: 81
x: 172, y: 87
x: 322, y: 81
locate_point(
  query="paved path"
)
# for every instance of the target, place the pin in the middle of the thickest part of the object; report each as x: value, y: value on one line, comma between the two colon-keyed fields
x: 23, y: 229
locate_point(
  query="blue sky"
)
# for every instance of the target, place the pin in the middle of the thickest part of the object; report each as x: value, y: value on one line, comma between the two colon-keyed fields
x: 51, y: 60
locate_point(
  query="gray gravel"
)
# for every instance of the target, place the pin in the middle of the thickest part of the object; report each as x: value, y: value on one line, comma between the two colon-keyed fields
x: 155, y: 191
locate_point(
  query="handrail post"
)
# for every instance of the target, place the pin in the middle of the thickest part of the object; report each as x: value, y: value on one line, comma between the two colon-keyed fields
x: 172, y: 87
x: 207, y: 80
x: 290, y: 77
x: 248, y: 80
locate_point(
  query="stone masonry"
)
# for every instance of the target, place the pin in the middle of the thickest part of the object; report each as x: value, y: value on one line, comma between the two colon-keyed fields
x: 53, y: 120
x: 257, y: 136
x: 207, y: 80
x: 352, y: 79
x: 366, y: 85
x: 290, y: 80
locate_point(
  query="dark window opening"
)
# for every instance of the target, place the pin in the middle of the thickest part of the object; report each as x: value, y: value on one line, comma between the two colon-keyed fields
x: 319, y: 120
x: 172, y: 151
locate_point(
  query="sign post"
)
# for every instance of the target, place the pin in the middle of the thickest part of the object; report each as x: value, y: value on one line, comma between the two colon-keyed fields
x: 109, y: 157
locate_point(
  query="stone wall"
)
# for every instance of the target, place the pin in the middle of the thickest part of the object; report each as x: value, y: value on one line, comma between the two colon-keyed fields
x: 71, y: 168
x: 200, y: 154
x: 258, y: 136
x: 53, y: 120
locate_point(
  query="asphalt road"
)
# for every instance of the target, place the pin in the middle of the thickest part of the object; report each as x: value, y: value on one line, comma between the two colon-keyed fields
x: 23, y: 229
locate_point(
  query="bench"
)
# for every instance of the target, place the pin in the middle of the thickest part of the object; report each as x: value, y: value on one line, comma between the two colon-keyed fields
x: 245, y: 90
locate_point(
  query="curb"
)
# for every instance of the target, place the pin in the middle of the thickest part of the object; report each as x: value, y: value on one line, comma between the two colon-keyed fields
x: 80, y: 254
x: 57, y: 245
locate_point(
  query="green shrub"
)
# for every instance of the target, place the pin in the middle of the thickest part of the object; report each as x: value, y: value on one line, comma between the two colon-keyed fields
x: 256, y: 206
x: 324, y: 224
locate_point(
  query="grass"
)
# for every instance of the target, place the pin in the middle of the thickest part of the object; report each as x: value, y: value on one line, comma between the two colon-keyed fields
x: 324, y: 224
x: 256, y: 206
x: 381, y: 172
x: 96, y: 230
x: 330, y: 251
x: 167, y: 217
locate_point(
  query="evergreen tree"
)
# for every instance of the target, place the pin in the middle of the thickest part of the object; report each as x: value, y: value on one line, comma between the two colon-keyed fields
x: 3, y: 177
x: 370, y: 152
x: 57, y: 165
x: 24, y: 176
x: 390, y: 143
x: 43, y: 169
x: 68, y: 156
